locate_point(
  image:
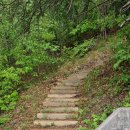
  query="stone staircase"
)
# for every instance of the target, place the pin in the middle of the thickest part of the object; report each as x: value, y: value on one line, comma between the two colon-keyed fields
x: 60, y: 108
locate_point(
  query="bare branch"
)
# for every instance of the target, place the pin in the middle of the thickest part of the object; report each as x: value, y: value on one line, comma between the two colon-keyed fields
x: 3, y: 4
x: 125, y: 22
x: 70, y: 6
x: 125, y: 7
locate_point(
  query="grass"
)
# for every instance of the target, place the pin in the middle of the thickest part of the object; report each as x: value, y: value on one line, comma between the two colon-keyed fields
x: 103, y: 95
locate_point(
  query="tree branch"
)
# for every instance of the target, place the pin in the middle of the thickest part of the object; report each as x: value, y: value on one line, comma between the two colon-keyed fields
x: 70, y: 6
x: 125, y: 22
x: 125, y: 7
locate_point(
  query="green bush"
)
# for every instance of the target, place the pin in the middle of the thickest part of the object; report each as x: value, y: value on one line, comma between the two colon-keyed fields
x: 21, y: 56
x: 4, y: 119
x: 85, y: 26
x: 96, y: 120
x: 122, y: 61
x: 9, y: 80
x: 82, y: 49
x: 122, y: 55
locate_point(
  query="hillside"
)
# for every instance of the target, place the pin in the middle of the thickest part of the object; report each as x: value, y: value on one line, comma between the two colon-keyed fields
x: 63, y: 64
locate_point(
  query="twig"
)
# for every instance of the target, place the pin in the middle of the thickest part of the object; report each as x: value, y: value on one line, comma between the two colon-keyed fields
x: 70, y: 6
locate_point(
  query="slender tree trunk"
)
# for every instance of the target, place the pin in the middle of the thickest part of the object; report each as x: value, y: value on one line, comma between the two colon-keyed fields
x: 103, y: 9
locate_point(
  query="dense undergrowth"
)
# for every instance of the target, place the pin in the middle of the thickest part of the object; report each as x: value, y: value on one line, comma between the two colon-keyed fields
x: 20, y: 60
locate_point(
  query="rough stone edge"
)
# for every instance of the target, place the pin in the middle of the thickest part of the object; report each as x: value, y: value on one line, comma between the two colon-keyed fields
x: 111, y: 116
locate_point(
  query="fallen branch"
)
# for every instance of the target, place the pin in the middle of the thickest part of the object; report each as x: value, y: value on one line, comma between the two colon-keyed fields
x: 125, y: 22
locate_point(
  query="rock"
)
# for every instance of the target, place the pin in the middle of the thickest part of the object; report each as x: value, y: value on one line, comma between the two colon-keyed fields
x: 118, y: 120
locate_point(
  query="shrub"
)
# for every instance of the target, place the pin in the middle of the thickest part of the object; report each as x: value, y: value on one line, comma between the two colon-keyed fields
x: 82, y: 49
x: 27, y: 54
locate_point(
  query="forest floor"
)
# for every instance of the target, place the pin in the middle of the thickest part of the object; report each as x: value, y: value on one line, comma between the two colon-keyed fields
x: 31, y: 100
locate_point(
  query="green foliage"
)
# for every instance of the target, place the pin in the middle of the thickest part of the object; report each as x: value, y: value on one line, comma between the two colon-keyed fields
x: 122, y: 55
x: 82, y: 49
x: 20, y: 57
x: 85, y: 26
x: 125, y: 31
x: 48, y: 36
x: 97, y: 23
x: 96, y: 120
x: 4, y: 119
x: 109, y: 21
x: 82, y: 128
x: 122, y: 60
x: 9, y: 80
x: 127, y: 101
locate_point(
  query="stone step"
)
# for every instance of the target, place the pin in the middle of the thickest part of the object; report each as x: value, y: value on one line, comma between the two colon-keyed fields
x: 62, y: 99
x: 63, y: 91
x: 59, y: 104
x: 56, y: 116
x: 71, y: 84
x: 47, y: 123
x: 62, y: 95
x: 55, y: 128
x: 64, y: 88
x: 81, y: 76
x: 61, y: 109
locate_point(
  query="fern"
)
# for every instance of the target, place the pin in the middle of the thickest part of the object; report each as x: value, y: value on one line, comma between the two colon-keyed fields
x: 82, y: 49
x: 122, y: 61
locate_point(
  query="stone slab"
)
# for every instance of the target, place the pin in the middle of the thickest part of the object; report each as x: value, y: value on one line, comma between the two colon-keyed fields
x: 56, y: 116
x: 118, y: 120
x: 61, y: 109
x: 59, y: 104
x: 72, y: 84
x: 62, y: 99
x: 55, y: 128
x: 63, y: 91
x: 48, y: 123
x: 62, y: 95
x: 64, y: 88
